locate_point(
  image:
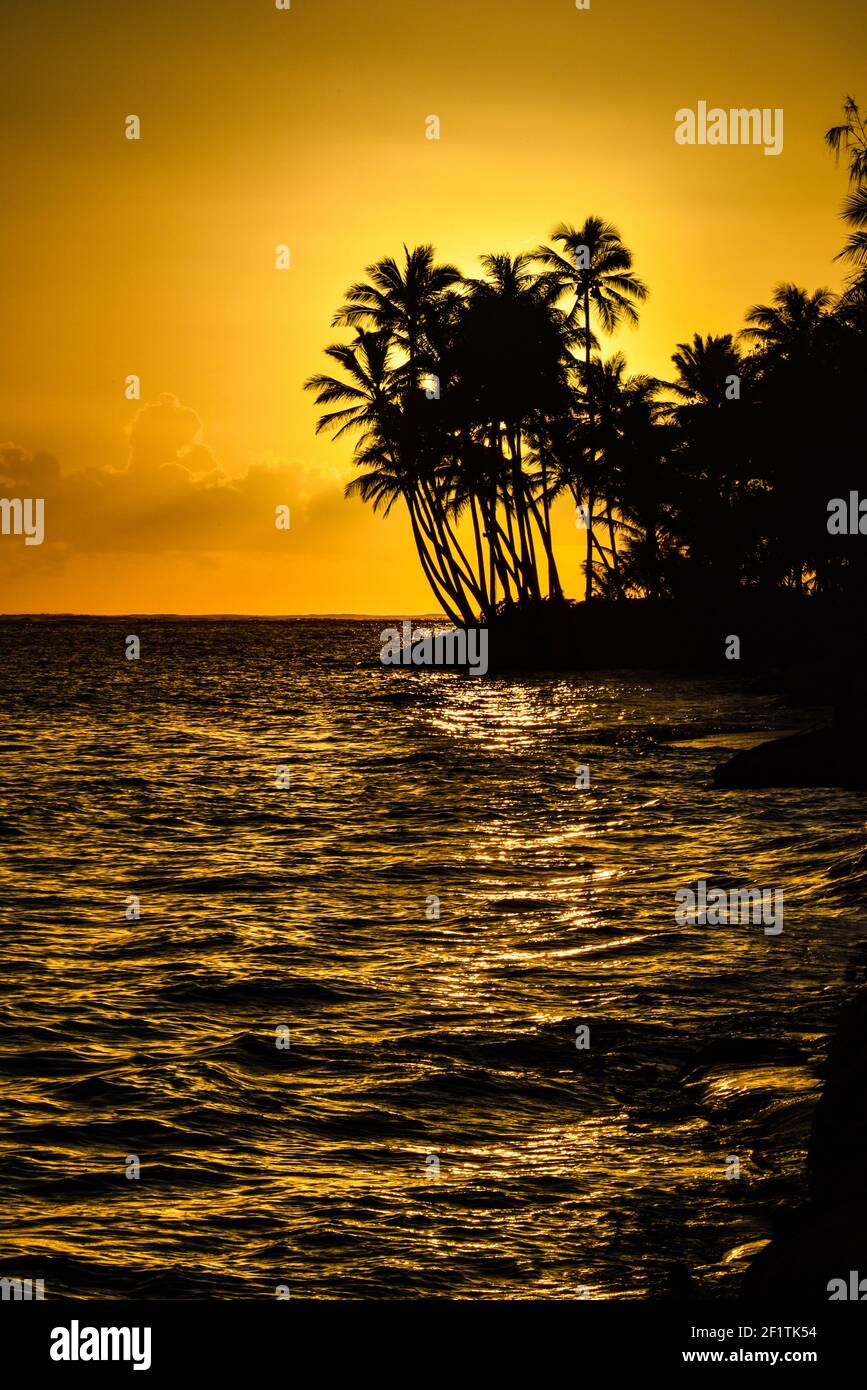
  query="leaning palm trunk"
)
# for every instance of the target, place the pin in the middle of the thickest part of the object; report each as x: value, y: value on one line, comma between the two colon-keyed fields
x: 461, y: 586
x: 542, y: 522
x: 461, y: 562
x: 508, y: 537
x: 554, y: 587
x: 612, y: 541
x: 507, y: 562
x: 512, y: 500
x: 525, y: 532
x: 444, y: 597
x: 491, y: 534
x: 446, y: 540
x: 588, y: 562
x: 480, y: 554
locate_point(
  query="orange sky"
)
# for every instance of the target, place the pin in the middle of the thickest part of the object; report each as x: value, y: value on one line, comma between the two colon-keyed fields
x: 260, y: 127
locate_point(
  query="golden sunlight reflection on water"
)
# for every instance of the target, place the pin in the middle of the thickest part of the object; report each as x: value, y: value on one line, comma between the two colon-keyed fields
x: 411, y: 1034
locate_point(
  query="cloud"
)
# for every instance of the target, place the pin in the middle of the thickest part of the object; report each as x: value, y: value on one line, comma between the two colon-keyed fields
x: 163, y: 431
x: 170, y: 496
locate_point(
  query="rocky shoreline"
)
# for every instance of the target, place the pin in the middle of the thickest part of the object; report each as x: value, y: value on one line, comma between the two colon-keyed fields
x: 818, y: 1251
x: 819, y: 758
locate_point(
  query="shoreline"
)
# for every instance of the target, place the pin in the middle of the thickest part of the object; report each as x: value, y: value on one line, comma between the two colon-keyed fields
x: 817, y: 1245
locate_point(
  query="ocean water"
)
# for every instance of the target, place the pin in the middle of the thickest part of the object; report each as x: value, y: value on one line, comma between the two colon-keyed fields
x: 428, y: 1127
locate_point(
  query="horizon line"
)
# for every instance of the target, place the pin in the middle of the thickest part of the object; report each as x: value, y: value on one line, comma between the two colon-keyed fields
x: 259, y: 617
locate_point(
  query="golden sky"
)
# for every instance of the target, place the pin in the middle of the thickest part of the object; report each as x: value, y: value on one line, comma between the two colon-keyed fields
x: 307, y: 127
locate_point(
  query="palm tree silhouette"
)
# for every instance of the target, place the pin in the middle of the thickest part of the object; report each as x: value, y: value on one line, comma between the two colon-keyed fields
x: 707, y: 483
x: 595, y: 267
x: 850, y: 137
x: 509, y: 363
x: 403, y: 302
x: 394, y: 464
x: 787, y: 329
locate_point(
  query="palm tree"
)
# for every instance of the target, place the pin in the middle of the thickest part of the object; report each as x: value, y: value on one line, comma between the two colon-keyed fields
x: 788, y: 329
x: 595, y: 267
x: 369, y: 404
x: 709, y: 456
x: 625, y: 411
x: 410, y: 305
x: 510, y: 375
x: 851, y: 136
x: 709, y: 487
x: 403, y: 301
x: 645, y: 482
x: 366, y: 399
x: 704, y: 367
x: 796, y: 359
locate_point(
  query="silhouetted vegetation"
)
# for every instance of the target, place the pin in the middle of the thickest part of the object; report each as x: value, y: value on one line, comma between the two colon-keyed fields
x: 483, y: 401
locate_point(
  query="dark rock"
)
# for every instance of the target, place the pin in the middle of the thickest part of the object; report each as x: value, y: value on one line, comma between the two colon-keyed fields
x: 838, y: 1146
x: 820, y: 758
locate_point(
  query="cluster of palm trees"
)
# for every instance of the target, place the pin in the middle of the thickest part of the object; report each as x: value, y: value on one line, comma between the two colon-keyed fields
x: 478, y: 403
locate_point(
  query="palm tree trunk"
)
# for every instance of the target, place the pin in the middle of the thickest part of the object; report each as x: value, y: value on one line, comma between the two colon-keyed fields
x: 612, y: 541
x: 480, y: 556
x: 442, y: 599
x: 528, y: 551
x: 554, y: 588
x: 588, y: 562
x: 435, y: 524
x: 588, y: 576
